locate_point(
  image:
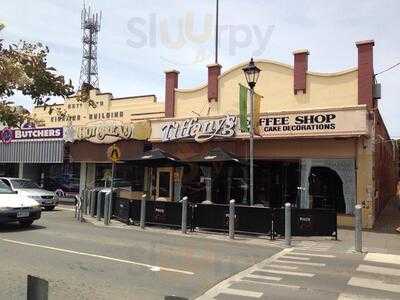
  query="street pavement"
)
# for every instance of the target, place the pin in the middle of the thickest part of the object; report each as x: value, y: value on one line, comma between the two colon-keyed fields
x: 93, y: 261
x: 314, y: 270
x: 84, y: 261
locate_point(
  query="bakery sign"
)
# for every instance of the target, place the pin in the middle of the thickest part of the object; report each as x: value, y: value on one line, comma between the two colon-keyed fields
x: 9, y: 135
x: 351, y: 121
x: 107, y: 132
x: 199, y: 130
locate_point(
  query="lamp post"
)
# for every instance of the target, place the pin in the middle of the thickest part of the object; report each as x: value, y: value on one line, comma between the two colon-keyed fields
x: 251, y: 72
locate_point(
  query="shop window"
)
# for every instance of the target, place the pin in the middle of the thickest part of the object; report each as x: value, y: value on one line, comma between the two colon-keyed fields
x: 126, y: 176
x: 326, y: 189
x: 61, y: 178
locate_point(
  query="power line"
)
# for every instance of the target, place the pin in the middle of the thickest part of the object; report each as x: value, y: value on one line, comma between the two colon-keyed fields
x: 388, y: 69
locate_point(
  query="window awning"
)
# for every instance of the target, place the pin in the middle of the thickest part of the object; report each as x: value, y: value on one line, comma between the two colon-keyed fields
x: 32, y: 152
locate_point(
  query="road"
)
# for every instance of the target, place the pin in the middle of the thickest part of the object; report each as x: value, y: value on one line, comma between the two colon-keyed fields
x: 313, y: 271
x: 83, y: 261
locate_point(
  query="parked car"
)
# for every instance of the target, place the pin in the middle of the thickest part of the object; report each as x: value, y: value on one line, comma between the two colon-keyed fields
x: 31, y: 190
x: 62, y: 186
x: 15, y: 207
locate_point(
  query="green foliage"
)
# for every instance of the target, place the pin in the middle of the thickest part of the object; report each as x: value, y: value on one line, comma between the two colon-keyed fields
x: 24, y: 68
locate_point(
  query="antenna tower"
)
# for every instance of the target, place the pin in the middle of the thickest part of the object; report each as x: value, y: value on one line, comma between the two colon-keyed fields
x: 90, y: 23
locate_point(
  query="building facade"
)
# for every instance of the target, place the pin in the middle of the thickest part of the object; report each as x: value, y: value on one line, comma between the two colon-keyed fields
x: 321, y: 140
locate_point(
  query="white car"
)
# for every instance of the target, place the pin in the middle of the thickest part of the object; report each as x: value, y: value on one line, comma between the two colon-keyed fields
x: 28, y: 188
x: 17, y: 208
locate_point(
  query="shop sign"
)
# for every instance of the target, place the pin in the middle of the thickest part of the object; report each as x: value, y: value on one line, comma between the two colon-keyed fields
x: 104, y: 132
x: 8, y: 135
x: 296, y: 123
x: 114, y: 153
x: 200, y: 130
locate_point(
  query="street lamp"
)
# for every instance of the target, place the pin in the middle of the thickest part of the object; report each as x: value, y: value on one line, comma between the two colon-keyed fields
x: 251, y: 72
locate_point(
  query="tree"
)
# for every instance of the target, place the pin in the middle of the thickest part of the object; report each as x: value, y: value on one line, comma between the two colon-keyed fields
x: 24, y: 68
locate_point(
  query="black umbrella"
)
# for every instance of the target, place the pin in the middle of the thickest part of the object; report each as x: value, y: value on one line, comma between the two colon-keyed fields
x: 157, y: 158
x: 216, y: 155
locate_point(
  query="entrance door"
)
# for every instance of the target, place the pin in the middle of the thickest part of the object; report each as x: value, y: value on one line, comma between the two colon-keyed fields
x: 164, y: 184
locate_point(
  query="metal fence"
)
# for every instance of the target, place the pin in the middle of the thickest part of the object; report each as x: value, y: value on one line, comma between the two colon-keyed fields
x: 307, y: 222
x: 215, y: 217
x: 157, y: 212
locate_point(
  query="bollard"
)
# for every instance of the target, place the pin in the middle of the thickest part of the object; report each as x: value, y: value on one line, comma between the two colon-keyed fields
x: 76, y: 210
x: 184, y: 214
x: 83, y: 201
x: 143, y: 211
x: 106, y: 209
x: 232, y: 219
x: 358, y: 228
x: 37, y: 288
x: 93, y: 204
x: 87, y: 204
x: 175, y: 298
x: 80, y: 209
x: 98, y: 212
x: 288, y: 225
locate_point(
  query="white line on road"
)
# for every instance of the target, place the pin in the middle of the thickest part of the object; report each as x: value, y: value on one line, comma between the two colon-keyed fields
x: 296, y: 257
x: 374, y: 284
x: 283, y: 267
x: 151, y: 267
x: 345, y: 296
x: 300, y: 263
x: 314, y: 255
x: 379, y: 270
x: 383, y: 258
x: 308, y: 249
x: 272, y: 284
x: 286, y: 273
x: 243, y: 293
x: 220, y: 287
x: 264, y: 277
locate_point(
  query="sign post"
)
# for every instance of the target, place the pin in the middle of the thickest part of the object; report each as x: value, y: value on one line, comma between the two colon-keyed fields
x: 114, y: 154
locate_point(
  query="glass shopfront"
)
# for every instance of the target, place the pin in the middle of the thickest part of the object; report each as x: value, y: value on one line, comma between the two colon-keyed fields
x: 9, y: 170
x: 126, y: 176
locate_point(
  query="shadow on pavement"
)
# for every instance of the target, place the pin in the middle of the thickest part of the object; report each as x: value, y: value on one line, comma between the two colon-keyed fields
x: 15, y: 227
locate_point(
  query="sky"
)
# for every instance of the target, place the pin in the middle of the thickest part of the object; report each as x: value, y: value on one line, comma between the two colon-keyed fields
x: 139, y: 39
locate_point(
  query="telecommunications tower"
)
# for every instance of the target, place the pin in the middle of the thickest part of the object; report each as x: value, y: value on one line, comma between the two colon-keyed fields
x: 90, y: 22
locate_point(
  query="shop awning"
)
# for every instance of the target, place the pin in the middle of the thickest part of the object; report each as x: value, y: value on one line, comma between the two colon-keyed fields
x: 84, y: 151
x: 32, y: 152
x: 216, y: 155
x: 157, y: 158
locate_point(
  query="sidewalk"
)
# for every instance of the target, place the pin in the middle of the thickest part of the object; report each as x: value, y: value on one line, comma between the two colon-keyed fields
x: 382, y: 239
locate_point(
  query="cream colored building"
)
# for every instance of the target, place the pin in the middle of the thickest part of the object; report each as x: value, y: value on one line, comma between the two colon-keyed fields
x: 312, y: 126
x: 125, y: 110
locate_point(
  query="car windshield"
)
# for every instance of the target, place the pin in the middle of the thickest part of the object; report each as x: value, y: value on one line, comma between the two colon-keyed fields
x: 24, y: 184
x: 4, y: 188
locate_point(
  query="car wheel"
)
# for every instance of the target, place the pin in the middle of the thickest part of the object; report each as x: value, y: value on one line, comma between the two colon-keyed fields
x: 26, y: 223
x: 50, y: 207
